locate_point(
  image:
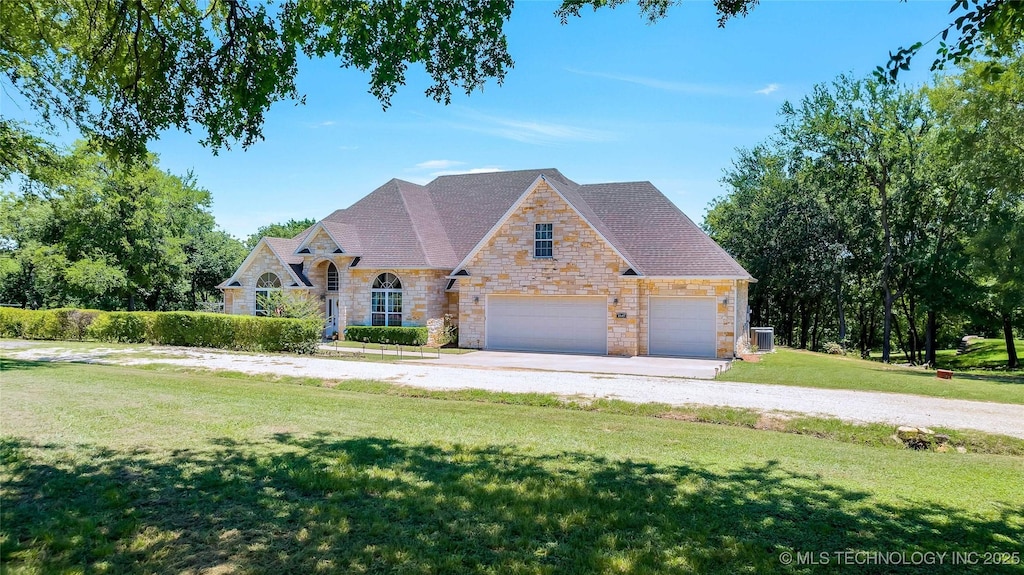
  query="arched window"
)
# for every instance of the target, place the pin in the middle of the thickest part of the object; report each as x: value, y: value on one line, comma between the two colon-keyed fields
x: 386, y: 300
x: 332, y: 277
x: 265, y: 285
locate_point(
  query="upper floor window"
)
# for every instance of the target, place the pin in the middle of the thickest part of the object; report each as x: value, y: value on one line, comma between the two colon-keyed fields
x: 386, y: 300
x: 267, y: 284
x: 543, y: 241
x: 332, y: 277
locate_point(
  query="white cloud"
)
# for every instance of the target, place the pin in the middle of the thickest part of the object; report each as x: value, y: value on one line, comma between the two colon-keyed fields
x: 486, y: 170
x: 767, y: 89
x: 531, y: 131
x: 682, y: 87
x: 438, y: 164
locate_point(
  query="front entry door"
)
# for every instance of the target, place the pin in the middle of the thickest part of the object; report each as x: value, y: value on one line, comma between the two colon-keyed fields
x: 332, y: 315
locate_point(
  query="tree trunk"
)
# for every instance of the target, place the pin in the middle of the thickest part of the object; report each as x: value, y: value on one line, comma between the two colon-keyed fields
x: 842, y: 315
x: 805, y: 324
x: 131, y: 301
x: 1011, y: 348
x: 886, y: 274
x: 931, y: 334
x: 899, y: 338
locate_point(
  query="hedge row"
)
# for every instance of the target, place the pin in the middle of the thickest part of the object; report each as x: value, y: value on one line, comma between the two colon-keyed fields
x: 381, y: 334
x: 240, y: 332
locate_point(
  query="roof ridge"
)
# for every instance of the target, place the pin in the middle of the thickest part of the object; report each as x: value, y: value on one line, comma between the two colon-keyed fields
x: 412, y: 219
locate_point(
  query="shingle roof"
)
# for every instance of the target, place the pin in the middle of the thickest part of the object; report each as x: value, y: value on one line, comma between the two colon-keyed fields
x: 402, y: 224
x: 285, y: 248
x: 656, y: 235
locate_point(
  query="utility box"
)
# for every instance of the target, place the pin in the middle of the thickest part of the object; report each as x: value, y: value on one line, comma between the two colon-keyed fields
x: 763, y: 338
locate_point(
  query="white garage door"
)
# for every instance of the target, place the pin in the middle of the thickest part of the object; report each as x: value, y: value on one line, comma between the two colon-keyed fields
x: 683, y: 326
x: 576, y: 324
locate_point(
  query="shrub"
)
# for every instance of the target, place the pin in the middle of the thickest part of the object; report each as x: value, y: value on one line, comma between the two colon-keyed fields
x: 450, y: 331
x: 122, y: 326
x: 12, y: 320
x: 181, y: 328
x: 833, y: 348
x: 381, y: 334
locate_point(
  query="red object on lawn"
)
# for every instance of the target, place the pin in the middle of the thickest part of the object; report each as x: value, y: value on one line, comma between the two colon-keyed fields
x: 944, y: 374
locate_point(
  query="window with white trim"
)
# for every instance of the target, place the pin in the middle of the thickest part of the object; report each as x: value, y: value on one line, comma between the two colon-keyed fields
x: 386, y: 300
x: 266, y: 284
x: 332, y: 277
x: 543, y: 241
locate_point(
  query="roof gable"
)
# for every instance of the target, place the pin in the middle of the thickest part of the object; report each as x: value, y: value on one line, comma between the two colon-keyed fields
x: 276, y: 246
x: 318, y: 232
x: 518, y: 205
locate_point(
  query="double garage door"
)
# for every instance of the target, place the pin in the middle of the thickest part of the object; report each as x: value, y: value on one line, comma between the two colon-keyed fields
x: 576, y: 324
x: 683, y: 326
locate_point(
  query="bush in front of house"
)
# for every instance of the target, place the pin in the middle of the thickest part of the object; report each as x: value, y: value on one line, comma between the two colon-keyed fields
x: 382, y: 334
x: 122, y: 326
x: 193, y: 329
x: 72, y: 324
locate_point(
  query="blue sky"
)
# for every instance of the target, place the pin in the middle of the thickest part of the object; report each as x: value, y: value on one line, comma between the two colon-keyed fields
x: 604, y: 98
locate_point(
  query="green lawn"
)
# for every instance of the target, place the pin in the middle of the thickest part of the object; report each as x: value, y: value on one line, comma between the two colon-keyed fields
x: 989, y: 354
x: 808, y: 369
x: 119, y: 470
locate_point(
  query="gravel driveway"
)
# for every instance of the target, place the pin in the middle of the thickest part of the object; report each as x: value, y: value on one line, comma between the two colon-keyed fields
x: 859, y: 406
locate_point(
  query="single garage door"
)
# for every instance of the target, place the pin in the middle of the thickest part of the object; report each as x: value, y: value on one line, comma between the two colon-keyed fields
x: 577, y: 324
x: 683, y: 326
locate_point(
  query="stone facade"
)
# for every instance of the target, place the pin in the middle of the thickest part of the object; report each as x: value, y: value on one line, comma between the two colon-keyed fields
x: 582, y: 264
x: 423, y: 294
x: 242, y: 300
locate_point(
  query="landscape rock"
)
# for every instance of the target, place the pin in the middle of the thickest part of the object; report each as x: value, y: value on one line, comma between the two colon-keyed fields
x: 915, y: 437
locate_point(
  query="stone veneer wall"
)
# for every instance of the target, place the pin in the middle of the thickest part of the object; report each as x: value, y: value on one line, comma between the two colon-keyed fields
x: 423, y: 294
x: 583, y: 264
x: 243, y: 299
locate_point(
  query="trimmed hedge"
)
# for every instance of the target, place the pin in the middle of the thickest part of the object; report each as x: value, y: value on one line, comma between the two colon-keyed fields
x: 194, y: 329
x: 381, y: 334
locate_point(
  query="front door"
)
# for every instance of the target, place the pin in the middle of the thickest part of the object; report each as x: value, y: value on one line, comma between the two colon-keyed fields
x: 332, y: 315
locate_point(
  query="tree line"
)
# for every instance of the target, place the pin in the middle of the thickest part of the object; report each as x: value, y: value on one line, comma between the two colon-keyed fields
x: 82, y: 230
x: 883, y: 217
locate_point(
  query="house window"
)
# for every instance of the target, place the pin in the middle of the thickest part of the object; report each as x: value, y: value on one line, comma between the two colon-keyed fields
x: 386, y: 300
x: 543, y: 241
x: 332, y: 277
x: 266, y: 284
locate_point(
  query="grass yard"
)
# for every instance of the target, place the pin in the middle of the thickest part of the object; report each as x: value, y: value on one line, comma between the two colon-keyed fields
x: 119, y: 470
x: 809, y: 369
x: 987, y: 354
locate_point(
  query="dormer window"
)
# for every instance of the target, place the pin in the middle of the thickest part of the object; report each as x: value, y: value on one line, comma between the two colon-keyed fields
x: 543, y: 241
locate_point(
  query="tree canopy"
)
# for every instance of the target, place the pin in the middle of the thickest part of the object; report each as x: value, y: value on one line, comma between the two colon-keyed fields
x: 91, y: 233
x: 121, y: 71
x: 288, y: 229
x: 880, y: 217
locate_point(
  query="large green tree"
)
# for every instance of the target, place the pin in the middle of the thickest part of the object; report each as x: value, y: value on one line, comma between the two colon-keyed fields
x: 982, y: 137
x: 95, y: 233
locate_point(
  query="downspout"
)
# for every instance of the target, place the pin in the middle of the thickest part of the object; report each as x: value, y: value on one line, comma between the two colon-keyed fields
x: 735, y: 315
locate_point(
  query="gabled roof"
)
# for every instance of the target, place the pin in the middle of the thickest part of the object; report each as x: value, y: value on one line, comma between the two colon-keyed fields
x: 437, y: 225
x: 659, y: 237
x: 282, y: 248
